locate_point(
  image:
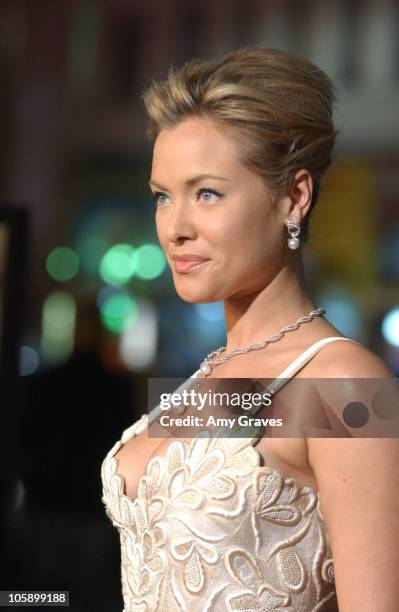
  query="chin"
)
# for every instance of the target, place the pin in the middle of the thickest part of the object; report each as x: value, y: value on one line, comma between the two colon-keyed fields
x: 196, y: 299
x: 196, y: 295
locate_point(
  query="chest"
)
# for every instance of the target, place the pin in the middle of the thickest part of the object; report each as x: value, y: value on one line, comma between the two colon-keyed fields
x: 289, y: 455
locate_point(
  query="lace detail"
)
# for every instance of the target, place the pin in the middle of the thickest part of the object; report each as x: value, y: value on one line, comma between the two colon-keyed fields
x: 213, y: 530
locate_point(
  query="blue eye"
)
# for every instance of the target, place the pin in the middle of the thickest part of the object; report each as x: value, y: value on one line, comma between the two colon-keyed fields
x: 159, y: 198
x: 208, y: 195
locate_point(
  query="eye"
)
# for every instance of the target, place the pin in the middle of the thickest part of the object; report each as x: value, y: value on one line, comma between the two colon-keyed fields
x: 208, y: 195
x: 160, y: 198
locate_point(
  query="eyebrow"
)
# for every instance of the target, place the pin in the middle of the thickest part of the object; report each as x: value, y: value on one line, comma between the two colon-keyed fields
x: 191, y: 181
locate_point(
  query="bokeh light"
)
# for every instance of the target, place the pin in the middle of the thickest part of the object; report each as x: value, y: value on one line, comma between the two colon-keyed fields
x: 107, y: 292
x: 390, y: 327
x: 62, y: 264
x: 118, y: 264
x: 28, y: 360
x: 118, y: 312
x: 138, y: 343
x: 210, y: 312
x: 150, y: 261
x: 58, y: 325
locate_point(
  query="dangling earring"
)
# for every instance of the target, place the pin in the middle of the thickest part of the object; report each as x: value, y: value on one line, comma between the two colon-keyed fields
x: 294, y: 230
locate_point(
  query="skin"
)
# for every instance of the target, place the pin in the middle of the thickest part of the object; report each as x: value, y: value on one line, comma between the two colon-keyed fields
x: 262, y: 286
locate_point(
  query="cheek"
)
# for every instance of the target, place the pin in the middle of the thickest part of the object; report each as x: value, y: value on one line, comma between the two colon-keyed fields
x: 255, y: 248
x: 221, y: 237
x: 223, y: 232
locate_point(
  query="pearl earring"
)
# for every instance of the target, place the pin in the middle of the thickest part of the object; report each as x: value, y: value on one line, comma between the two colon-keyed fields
x: 294, y: 230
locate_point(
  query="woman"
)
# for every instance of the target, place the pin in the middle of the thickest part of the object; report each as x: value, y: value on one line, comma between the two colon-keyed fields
x: 241, y: 145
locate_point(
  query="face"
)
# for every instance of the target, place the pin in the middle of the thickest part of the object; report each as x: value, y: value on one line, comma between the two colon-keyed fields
x: 215, y: 213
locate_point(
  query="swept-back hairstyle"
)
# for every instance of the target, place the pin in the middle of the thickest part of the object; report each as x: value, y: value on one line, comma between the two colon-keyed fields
x: 276, y: 106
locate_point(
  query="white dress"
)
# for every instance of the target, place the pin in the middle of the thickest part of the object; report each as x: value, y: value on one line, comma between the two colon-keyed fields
x: 213, y: 530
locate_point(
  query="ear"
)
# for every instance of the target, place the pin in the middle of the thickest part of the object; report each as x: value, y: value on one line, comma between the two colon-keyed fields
x: 298, y: 196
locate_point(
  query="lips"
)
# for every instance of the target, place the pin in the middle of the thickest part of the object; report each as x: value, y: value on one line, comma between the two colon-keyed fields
x: 186, y: 263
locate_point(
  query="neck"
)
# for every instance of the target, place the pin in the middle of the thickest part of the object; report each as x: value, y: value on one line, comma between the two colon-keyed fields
x: 253, y: 317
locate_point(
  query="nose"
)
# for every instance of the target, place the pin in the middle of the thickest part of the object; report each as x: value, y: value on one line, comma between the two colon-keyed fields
x: 179, y: 222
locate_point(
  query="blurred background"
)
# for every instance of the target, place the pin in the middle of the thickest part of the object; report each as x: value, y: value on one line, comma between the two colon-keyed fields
x: 87, y: 306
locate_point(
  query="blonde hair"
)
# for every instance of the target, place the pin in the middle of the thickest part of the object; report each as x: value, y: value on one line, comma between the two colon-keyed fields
x: 276, y: 105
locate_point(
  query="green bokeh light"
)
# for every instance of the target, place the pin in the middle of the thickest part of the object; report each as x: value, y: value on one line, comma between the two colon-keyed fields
x: 58, y: 325
x: 118, y: 264
x: 118, y: 312
x: 150, y: 261
x: 62, y: 263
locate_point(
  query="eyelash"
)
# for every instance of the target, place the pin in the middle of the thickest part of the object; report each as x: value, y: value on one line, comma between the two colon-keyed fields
x: 157, y: 194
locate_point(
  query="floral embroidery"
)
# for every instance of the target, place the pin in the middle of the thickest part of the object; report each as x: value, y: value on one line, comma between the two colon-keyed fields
x: 212, y: 530
x: 259, y: 595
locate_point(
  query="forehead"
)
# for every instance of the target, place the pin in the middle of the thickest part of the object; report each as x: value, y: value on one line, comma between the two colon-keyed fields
x: 194, y: 144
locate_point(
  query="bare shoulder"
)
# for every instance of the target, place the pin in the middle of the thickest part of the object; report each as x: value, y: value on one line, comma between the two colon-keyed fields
x: 360, y: 392
x: 343, y: 359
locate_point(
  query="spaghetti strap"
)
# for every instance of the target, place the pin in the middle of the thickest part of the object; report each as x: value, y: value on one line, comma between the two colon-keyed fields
x: 301, y: 361
x: 292, y: 369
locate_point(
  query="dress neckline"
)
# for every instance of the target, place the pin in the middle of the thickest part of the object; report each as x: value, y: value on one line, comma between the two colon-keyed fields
x: 142, y: 424
x: 158, y: 457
